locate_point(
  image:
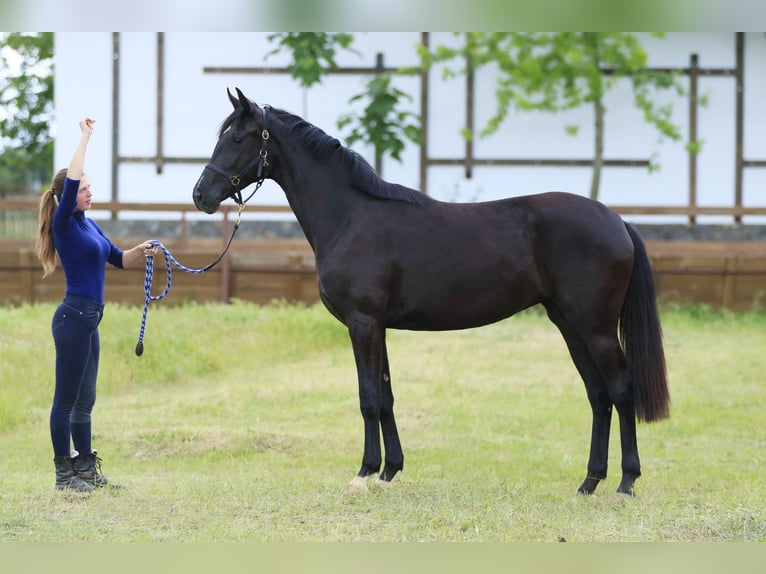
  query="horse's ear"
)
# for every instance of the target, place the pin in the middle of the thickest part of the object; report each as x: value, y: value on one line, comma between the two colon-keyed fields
x: 246, y: 104
x: 243, y: 101
x: 232, y: 99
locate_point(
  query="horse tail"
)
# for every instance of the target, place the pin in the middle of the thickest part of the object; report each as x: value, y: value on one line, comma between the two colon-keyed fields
x: 641, y: 338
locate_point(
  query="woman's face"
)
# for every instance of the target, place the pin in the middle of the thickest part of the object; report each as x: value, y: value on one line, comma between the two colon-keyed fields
x: 84, y: 195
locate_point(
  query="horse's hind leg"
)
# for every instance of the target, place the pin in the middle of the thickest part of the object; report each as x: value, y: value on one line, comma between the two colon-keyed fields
x: 608, y: 355
x: 598, y: 396
x: 631, y: 465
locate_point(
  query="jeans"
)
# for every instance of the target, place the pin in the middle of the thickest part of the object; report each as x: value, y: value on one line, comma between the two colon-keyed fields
x: 75, y: 334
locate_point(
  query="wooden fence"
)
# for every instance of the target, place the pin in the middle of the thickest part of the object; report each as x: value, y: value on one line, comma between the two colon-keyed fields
x: 257, y: 270
x: 728, y: 275
x: 724, y: 275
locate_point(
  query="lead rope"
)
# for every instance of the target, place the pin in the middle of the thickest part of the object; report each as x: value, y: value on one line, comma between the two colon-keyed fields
x: 261, y: 161
x: 149, y: 275
x: 148, y: 286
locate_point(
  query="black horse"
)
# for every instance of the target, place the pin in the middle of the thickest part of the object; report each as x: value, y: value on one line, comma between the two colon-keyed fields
x: 391, y: 257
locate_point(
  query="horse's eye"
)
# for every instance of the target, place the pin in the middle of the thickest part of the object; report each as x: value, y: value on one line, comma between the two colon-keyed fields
x: 237, y: 138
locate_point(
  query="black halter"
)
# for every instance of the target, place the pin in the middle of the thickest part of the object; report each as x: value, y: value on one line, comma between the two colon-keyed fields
x: 260, y: 161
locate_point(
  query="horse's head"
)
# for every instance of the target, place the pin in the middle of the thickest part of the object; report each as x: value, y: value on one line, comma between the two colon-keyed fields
x: 240, y: 157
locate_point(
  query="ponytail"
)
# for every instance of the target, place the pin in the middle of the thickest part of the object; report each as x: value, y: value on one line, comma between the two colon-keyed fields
x: 44, y: 247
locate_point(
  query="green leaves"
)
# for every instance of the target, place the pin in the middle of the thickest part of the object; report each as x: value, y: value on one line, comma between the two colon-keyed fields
x: 553, y: 72
x: 313, y: 53
x: 26, y: 89
x: 26, y: 109
x: 382, y: 124
x: 536, y: 71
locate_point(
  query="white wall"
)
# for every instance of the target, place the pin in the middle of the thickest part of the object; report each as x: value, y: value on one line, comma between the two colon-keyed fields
x: 196, y: 103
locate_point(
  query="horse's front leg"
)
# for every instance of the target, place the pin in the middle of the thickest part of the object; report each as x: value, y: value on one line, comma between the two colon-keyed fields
x: 394, y: 455
x: 367, y: 337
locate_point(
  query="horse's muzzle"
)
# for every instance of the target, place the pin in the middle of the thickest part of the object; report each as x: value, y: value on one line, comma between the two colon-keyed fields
x: 201, y: 202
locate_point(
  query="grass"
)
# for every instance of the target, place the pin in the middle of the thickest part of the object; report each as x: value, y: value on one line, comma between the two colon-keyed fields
x: 241, y: 423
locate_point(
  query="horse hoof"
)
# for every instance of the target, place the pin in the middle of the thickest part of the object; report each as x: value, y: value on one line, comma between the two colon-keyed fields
x: 382, y: 484
x: 357, y: 484
x: 588, y: 486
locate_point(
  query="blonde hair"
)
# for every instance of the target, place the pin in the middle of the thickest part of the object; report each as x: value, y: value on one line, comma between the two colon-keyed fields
x: 44, y: 247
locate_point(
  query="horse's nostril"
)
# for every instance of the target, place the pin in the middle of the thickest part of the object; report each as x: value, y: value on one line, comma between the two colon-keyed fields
x: 197, y: 197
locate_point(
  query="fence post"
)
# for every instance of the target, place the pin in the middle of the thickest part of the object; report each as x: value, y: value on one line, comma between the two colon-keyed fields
x: 693, y: 76
x: 740, y: 121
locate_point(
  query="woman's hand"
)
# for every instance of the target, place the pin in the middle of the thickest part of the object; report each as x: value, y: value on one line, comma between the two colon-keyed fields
x: 131, y: 255
x: 149, y: 249
x: 86, y: 125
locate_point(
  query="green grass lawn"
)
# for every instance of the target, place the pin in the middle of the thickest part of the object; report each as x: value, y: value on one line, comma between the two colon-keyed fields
x: 241, y: 423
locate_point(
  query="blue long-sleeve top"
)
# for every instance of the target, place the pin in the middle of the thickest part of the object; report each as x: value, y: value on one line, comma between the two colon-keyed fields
x: 82, y: 246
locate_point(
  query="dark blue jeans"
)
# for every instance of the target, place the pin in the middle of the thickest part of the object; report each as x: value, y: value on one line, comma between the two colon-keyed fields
x: 75, y: 334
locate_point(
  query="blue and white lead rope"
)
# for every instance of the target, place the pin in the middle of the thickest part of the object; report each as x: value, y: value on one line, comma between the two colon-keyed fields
x: 148, y: 285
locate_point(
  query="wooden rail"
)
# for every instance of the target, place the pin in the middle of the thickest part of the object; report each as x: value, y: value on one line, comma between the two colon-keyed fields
x: 730, y: 275
x: 722, y: 275
x: 687, y: 210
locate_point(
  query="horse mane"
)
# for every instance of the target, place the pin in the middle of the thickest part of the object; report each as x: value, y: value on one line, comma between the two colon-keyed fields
x: 322, y: 146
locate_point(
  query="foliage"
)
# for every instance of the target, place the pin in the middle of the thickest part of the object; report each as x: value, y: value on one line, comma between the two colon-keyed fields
x: 552, y: 72
x: 22, y: 171
x: 26, y: 98
x: 546, y: 72
x: 313, y: 53
x: 382, y: 124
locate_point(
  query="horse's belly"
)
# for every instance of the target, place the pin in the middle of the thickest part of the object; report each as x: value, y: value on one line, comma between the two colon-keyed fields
x: 420, y: 322
x: 459, y: 312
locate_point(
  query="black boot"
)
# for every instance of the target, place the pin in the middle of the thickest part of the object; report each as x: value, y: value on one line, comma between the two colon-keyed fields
x: 66, y: 477
x: 88, y: 469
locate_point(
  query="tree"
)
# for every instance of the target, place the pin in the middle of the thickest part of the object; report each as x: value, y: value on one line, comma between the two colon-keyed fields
x: 382, y: 124
x: 313, y: 53
x: 26, y: 109
x: 547, y: 72
x: 558, y: 71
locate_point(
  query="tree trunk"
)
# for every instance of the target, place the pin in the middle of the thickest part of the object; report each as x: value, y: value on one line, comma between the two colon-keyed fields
x: 598, y: 153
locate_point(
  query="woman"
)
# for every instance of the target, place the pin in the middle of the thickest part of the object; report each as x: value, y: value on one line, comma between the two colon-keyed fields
x: 83, y: 250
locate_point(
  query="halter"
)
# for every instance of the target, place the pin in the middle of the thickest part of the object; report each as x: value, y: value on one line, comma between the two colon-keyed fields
x: 261, y: 161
